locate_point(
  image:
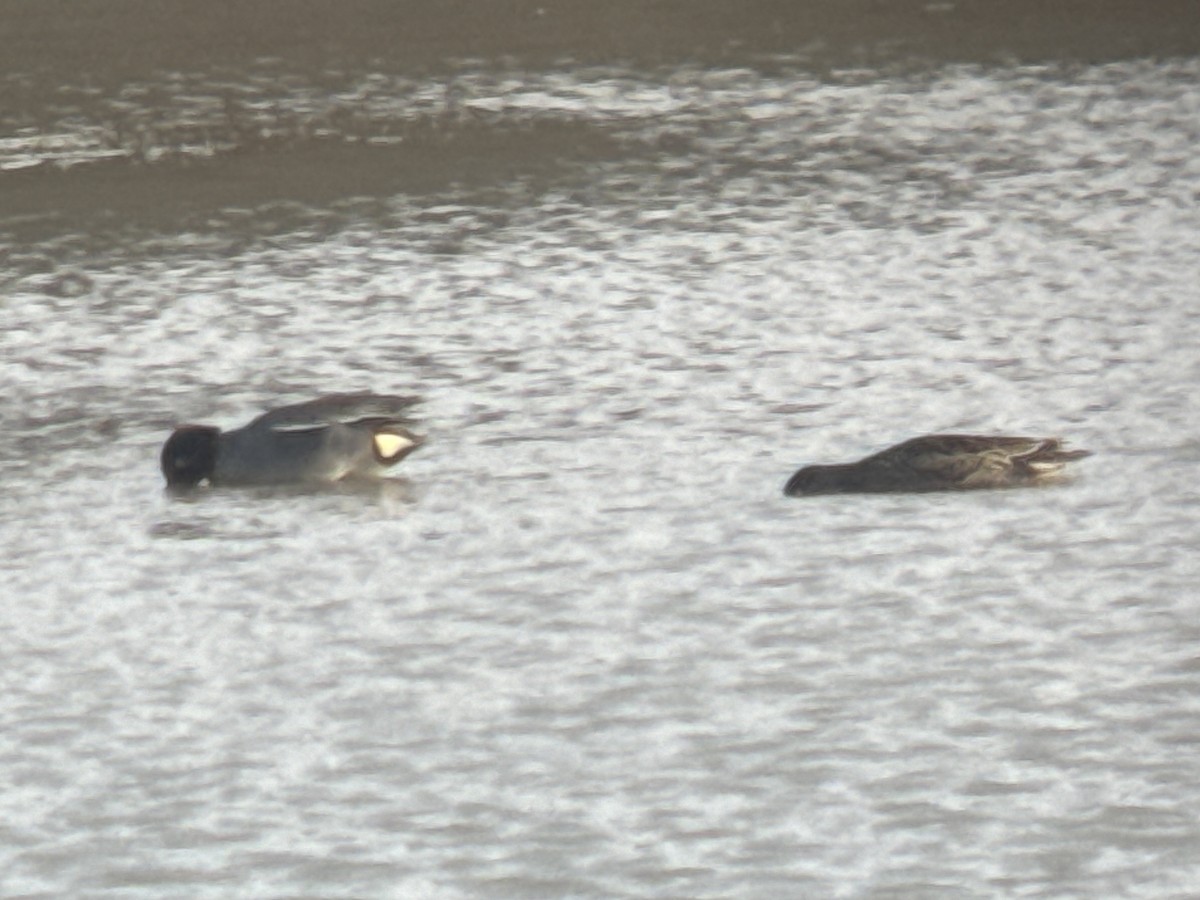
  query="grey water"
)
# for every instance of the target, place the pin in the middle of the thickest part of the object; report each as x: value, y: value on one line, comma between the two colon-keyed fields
x: 582, y: 646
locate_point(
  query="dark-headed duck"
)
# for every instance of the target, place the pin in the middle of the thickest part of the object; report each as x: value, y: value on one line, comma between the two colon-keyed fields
x: 325, y: 440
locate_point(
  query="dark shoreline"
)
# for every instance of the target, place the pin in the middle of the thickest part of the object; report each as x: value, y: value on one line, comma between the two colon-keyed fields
x: 130, y: 38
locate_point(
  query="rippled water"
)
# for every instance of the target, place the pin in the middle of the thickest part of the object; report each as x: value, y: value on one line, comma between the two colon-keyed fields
x: 584, y: 647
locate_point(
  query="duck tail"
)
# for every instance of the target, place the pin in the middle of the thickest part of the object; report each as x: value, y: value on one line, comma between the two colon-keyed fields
x: 1049, y: 456
x: 392, y: 443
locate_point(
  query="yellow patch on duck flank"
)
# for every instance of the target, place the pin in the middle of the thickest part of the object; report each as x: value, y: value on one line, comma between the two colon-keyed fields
x: 388, y: 445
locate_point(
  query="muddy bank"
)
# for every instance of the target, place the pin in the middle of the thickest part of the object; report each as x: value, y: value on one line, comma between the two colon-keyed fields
x: 129, y: 38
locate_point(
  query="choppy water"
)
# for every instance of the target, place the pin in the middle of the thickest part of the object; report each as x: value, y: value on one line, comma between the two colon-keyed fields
x: 585, y: 647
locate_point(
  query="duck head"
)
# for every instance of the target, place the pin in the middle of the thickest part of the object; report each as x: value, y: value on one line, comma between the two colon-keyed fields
x: 816, y: 480
x: 189, y: 455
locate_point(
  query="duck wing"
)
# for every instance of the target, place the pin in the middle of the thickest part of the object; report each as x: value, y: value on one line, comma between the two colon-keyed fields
x: 954, y: 459
x: 965, y: 460
x: 335, y: 408
x: 967, y: 444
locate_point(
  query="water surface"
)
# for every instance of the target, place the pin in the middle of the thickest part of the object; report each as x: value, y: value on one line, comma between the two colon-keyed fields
x: 583, y: 646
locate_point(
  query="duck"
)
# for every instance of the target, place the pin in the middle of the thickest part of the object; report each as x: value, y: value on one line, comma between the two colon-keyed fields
x: 941, y: 462
x: 335, y: 437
